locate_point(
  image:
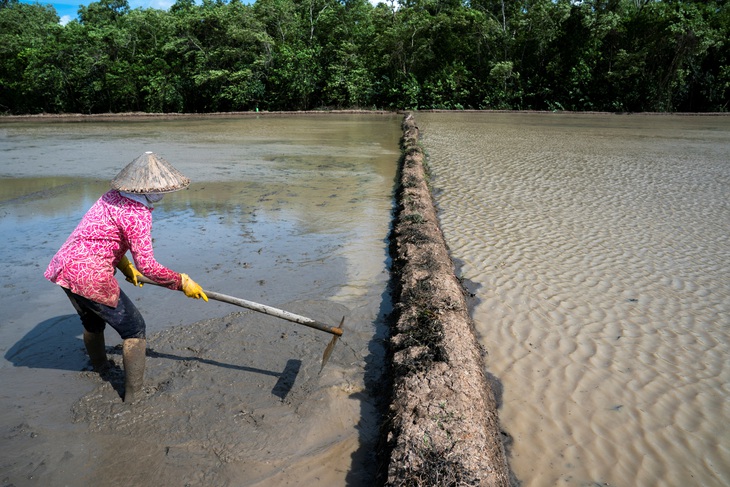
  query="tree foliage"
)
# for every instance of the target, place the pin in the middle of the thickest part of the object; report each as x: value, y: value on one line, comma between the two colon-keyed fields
x: 226, y: 55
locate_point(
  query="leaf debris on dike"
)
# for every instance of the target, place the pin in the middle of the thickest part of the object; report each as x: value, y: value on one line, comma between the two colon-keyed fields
x: 442, y: 426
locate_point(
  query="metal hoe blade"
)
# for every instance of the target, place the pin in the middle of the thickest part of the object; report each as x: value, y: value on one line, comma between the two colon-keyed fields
x: 330, y: 347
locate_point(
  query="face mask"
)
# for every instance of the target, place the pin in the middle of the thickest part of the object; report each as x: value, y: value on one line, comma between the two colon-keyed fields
x: 154, y: 197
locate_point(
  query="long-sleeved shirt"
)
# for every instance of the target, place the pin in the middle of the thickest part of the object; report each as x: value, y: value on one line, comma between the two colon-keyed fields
x: 113, y: 225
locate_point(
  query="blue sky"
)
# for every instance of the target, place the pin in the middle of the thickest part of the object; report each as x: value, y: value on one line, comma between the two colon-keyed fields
x: 67, y: 9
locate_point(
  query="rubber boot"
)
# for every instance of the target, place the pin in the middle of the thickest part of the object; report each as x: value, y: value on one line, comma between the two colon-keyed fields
x: 133, y: 357
x: 96, y: 348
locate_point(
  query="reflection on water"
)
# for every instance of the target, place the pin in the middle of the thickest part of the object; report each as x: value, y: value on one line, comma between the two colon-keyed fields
x: 601, y: 245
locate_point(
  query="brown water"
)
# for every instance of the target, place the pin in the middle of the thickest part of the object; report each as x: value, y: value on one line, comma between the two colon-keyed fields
x: 288, y: 211
x: 602, y: 247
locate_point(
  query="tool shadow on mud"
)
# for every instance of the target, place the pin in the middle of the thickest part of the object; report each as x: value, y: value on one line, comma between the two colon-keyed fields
x: 281, y: 389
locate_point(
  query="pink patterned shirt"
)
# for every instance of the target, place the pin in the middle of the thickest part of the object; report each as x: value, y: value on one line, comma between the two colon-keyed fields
x: 85, y: 264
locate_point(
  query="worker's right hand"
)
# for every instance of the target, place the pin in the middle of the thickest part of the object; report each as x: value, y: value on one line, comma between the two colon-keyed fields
x: 192, y: 289
x: 129, y: 271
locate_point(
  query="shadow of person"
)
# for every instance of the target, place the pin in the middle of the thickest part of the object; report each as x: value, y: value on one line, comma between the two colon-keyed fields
x: 55, y: 343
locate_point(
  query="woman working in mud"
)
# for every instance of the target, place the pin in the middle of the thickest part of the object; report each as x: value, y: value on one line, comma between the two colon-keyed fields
x: 120, y: 221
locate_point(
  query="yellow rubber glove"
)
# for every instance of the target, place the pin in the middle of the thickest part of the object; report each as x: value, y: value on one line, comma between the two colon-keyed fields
x: 129, y: 271
x: 192, y: 289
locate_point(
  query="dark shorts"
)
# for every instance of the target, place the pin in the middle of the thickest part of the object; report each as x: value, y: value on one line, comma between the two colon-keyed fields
x: 125, y: 318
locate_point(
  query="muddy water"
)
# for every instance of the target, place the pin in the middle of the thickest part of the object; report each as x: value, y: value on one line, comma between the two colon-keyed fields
x: 602, y: 248
x: 287, y: 211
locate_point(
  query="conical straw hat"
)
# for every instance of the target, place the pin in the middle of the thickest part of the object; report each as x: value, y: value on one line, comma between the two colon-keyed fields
x: 149, y: 173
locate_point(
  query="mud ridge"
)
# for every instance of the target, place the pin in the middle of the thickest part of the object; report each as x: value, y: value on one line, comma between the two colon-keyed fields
x: 442, y: 426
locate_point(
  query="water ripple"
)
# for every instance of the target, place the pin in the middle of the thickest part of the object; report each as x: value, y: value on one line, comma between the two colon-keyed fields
x: 601, y: 244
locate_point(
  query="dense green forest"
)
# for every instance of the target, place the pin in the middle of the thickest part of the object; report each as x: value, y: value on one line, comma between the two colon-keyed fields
x: 607, y: 55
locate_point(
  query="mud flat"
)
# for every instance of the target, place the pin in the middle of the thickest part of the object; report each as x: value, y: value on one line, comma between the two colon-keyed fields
x: 442, y: 427
x: 288, y: 211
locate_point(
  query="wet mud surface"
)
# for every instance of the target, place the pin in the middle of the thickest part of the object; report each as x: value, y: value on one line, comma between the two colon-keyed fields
x: 219, y: 394
x: 236, y: 400
x: 289, y: 212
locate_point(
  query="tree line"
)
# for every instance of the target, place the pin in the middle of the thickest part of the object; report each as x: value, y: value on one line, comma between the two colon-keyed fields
x: 225, y: 55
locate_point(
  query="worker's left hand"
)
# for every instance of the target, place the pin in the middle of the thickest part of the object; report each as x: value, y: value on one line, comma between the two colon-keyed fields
x: 129, y: 271
x: 192, y: 289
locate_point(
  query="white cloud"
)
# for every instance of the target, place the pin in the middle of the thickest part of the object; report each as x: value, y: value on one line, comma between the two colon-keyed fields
x: 65, y: 19
x: 156, y: 4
